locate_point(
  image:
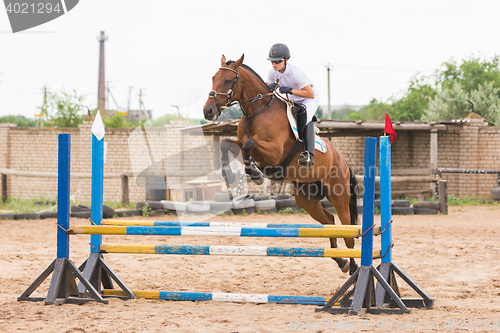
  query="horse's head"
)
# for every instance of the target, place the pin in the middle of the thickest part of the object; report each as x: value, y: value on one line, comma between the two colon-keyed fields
x: 225, y: 85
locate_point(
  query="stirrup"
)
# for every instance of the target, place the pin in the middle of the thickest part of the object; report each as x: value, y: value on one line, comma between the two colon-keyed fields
x: 306, y: 159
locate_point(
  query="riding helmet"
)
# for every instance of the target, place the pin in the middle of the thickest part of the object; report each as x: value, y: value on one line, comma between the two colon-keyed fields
x: 278, y: 52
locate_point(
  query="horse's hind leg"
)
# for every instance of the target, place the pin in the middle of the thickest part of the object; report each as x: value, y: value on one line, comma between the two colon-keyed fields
x: 343, y: 202
x: 308, y: 196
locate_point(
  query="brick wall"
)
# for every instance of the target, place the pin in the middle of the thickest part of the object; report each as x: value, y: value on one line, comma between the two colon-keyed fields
x: 473, y: 147
x: 132, y: 151
x: 36, y: 149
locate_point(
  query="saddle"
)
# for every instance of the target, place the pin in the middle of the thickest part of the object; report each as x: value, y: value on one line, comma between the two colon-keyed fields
x: 291, y: 110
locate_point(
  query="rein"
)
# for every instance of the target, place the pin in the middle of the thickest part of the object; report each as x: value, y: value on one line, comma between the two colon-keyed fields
x: 247, y: 117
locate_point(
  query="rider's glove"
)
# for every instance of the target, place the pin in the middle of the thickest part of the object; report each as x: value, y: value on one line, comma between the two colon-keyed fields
x: 272, y: 86
x: 286, y: 90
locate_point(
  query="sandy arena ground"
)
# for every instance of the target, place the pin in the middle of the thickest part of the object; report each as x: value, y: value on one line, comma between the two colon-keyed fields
x: 454, y: 258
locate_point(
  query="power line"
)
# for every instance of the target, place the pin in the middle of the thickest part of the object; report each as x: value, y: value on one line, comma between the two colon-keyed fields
x: 373, y: 68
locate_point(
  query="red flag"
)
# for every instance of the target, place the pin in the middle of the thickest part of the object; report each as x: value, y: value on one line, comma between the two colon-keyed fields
x: 389, y: 129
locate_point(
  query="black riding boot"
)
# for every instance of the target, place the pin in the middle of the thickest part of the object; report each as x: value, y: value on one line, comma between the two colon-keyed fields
x: 301, y: 116
x: 306, y: 158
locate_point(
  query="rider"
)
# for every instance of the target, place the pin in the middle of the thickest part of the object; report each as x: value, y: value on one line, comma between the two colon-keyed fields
x: 292, y: 80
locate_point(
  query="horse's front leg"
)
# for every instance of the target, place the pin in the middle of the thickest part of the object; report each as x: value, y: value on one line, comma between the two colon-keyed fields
x: 250, y: 169
x: 226, y: 146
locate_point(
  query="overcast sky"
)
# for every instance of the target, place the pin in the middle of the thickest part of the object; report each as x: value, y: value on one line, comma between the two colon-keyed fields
x: 171, y: 49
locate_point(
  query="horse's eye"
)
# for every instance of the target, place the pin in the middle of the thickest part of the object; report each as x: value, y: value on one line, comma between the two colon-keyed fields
x: 228, y: 81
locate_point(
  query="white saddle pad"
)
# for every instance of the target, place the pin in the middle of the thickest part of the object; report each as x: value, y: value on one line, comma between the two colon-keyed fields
x: 319, y: 144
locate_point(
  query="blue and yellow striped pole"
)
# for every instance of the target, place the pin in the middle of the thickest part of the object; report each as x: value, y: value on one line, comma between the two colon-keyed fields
x: 340, y: 232
x: 220, y: 224
x: 224, y: 250
x: 221, y: 297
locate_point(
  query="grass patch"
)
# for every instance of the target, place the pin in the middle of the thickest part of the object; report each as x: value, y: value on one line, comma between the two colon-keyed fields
x: 465, y: 201
x: 145, y: 211
x: 117, y: 205
x: 114, y: 205
x: 289, y: 210
x: 26, y: 205
x: 411, y: 200
x: 471, y: 201
x: 15, y: 206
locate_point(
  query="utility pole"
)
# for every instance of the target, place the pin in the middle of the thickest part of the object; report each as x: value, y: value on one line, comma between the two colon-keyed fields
x: 129, y: 97
x: 328, y: 68
x: 43, y: 109
x: 175, y: 106
x: 107, y: 95
x: 113, y: 97
x: 140, y: 100
x: 141, y: 104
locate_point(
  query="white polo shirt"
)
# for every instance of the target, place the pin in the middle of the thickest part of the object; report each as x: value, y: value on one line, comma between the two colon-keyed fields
x: 292, y: 77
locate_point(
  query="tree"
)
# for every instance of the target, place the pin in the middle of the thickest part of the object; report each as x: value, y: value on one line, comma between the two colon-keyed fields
x: 118, y: 120
x: 63, y: 109
x: 232, y: 113
x: 319, y: 112
x: 196, y: 122
x: 375, y: 110
x: 443, y: 95
x: 473, y: 72
x: 161, y: 121
x: 448, y: 104
x: 20, y: 121
x: 345, y: 113
x: 486, y: 102
x: 452, y: 103
x: 413, y: 104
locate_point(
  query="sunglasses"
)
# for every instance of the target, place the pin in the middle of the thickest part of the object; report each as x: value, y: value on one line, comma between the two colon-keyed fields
x: 276, y: 61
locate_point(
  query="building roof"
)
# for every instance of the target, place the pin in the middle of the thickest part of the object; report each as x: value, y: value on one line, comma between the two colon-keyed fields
x: 327, y: 128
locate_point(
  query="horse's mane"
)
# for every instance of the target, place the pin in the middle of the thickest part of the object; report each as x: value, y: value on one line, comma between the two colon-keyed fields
x: 251, y: 71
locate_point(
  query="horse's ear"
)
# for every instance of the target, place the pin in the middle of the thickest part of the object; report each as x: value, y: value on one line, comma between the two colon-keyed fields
x: 239, y: 61
x: 223, y: 61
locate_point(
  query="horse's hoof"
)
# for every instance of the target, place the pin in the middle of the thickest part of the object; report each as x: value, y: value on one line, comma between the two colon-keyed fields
x: 259, y: 181
x: 353, y: 268
x: 345, y: 268
x: 343, y: 264
x: 229, y: 178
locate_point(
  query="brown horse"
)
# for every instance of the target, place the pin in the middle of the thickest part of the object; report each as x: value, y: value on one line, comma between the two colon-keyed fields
x: 266, y: 140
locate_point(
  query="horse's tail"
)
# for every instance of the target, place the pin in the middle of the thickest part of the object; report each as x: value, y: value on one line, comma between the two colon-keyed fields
x: 353, y: 202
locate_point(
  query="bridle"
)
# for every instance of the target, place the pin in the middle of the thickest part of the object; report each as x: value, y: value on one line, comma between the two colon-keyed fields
x: 230, y: 94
